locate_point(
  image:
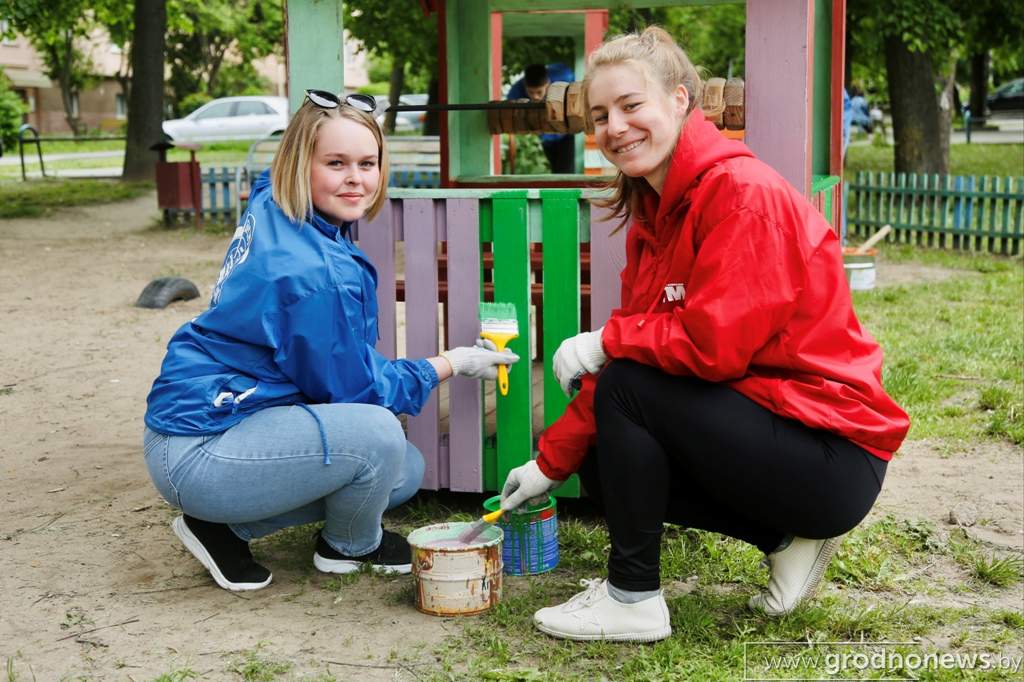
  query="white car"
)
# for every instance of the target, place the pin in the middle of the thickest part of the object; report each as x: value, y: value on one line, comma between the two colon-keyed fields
x: 231, y: 118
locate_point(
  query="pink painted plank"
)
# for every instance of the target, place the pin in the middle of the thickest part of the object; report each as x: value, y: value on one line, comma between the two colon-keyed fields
x: 607, y: 258
x: 465, y: 428
x: 421, y: 326
x: 377, y: 240
x: 778, y: 86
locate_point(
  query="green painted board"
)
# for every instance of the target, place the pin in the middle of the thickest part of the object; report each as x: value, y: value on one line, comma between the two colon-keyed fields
x: 561, y: 273
x: 512, y: 285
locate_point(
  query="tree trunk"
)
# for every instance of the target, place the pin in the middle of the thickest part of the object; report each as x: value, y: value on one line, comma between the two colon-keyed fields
x: 915, y: 110
x: 947, y: 109
x: 145, y: 108
x: 979, y: 85
x: 432, y: 124
x: 394, y: 92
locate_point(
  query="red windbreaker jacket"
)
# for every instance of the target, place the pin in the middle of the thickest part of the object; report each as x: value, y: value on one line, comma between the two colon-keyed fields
x: 731, y: 275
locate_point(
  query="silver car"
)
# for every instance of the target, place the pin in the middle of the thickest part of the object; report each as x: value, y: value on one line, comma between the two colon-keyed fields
x: 231, y: 118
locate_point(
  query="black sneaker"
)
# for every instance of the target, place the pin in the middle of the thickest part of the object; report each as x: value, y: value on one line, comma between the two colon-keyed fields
x: 225, y: 555
x: 393, y: 556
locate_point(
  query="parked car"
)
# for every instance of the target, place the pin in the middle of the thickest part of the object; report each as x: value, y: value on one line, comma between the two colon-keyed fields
x: 405, y: 121
x: 231, y: 118
x: 1007, y: 97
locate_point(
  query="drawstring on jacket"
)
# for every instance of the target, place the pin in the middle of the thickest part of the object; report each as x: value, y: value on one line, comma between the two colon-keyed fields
x: 323, y: 434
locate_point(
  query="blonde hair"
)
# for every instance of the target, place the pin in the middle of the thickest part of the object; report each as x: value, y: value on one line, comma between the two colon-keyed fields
x: 293, y: 163
x: 661, y: 61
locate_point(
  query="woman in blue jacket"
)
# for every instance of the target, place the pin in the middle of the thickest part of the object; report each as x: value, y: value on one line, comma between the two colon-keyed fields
x: 273, y: 408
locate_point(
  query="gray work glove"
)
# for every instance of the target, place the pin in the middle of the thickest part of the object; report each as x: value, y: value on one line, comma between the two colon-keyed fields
x: 578, y: 355
x: 478, y: 362
x: 526, y: 484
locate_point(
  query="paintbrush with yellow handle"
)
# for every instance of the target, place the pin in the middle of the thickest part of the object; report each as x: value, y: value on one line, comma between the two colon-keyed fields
x: 467, y: 536
x: 499, y: 325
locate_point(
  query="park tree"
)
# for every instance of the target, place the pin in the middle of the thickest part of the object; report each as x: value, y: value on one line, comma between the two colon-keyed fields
x: 992, y: 31
x: 58, y: 31
x: 146, y: 101
x: 917, y: 41
x: 402, y: 31
x: 212, y: 44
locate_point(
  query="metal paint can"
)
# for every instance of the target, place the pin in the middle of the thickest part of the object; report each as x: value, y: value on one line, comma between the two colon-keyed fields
x: 860, y: 268
x: 453, y: 579
x: 531, y: 537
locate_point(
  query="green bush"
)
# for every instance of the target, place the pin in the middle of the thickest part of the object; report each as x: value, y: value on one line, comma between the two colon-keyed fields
x: 11, y: 111
x: 190, y: 103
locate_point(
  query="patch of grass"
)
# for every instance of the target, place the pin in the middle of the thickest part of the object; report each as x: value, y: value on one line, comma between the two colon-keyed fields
x: 1001, y: 571
x: 178, y: 675
x: 41, y: 197
x: 964, y: 159
x: 947, y: 340
x: 877, y: 556
x: 255, y: 666
x: 1012, y: 619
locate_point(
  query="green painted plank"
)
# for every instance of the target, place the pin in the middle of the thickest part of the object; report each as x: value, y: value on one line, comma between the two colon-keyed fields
x: 512, y: 285
x: 315, y: 50
x: 561, y: 276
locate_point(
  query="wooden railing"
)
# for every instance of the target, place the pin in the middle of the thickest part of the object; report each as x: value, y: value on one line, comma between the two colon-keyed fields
x: 505, y: 223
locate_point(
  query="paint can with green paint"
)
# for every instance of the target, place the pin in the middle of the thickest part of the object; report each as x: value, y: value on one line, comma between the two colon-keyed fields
x: 531, y: 537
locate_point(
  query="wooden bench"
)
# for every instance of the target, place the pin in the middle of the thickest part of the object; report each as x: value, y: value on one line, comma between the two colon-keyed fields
x: 415, y: 162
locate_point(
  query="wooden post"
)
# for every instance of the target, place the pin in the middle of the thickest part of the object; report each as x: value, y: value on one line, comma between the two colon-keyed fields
x: 315, y: 48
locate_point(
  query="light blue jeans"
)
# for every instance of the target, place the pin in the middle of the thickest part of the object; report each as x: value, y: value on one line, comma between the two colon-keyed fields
x: 268, y: 472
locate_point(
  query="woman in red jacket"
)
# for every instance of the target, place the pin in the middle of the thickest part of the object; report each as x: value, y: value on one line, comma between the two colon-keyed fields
x: 734, y: 390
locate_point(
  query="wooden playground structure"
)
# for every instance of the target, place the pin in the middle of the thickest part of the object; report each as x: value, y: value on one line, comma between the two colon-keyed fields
x: 793, y: 121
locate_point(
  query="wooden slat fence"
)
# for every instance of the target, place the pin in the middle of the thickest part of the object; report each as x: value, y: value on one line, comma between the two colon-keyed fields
x: 218, y: 199
x: 464, y: 457
x: 972, y: 213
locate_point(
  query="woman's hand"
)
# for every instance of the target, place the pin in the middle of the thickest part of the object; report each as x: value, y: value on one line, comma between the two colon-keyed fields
x: 478, y: 362
x: 526, y: 483
x: 578, y: 355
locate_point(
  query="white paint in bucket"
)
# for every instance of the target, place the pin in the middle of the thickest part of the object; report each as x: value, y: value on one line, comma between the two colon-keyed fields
x: 456, y: 580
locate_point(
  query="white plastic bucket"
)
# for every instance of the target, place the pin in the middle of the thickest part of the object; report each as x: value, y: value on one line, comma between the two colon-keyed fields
x: 860, y: 269
x: 456, y: 581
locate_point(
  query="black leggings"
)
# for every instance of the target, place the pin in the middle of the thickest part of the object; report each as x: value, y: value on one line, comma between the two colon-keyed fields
x: 701, y: 455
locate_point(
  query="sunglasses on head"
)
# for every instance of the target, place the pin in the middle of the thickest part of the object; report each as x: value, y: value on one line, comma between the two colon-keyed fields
x: 328, y: 100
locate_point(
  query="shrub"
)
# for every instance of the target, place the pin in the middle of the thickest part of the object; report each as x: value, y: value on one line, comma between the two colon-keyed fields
x: 11, y: 111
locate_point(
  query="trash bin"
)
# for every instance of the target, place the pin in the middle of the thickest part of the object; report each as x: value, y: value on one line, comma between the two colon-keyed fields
x: 178, y: 183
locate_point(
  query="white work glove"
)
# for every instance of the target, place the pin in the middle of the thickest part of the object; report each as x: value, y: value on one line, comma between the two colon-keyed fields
x: 526, y: 484
x: 478, y: 362
x: 578, y: 355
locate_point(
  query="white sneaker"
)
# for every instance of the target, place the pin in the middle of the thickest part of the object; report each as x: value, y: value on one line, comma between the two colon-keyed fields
x: 796, y: 573
x: 594, y: 614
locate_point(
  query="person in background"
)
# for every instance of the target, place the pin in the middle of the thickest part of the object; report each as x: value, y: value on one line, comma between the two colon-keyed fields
x: 273, y: 407
x: 734, y: 390
x: 560, y: 149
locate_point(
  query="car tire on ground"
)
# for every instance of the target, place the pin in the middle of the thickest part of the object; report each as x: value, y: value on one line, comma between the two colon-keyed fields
x: 163, y: 291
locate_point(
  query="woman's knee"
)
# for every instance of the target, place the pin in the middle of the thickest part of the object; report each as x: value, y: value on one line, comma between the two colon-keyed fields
x: 385, y: 438
x: 616, y: 381
x: 414, y: 466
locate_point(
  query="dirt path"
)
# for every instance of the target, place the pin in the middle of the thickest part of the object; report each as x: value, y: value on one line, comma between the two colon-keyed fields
x: 92, y: 582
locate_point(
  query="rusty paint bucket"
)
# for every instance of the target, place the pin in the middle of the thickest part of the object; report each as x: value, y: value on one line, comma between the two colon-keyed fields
x: 454, y: 579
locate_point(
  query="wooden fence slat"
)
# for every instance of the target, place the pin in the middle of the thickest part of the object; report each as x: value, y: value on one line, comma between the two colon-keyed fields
x: 607, y: 259
x: 421, y: 325
x: 465, y: 402
x: 561, y: 266
x: 377, y: 240
x: 512, y: 285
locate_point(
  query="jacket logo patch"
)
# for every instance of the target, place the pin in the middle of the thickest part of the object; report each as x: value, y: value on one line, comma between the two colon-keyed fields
x: 238, y: 252
x: 674, y: 292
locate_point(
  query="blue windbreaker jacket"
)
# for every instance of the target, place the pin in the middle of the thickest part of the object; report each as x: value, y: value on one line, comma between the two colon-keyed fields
x: 292, y: 320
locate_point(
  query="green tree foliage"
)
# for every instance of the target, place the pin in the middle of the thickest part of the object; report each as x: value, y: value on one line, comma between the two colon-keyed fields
x: 714, y: 36
x: 11, y: 111
x: 57, y: 30
x: 211, y: 45
x: 401, y: 32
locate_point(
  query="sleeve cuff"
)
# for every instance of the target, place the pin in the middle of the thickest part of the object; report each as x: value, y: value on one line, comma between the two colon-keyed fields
x: 428, y: 373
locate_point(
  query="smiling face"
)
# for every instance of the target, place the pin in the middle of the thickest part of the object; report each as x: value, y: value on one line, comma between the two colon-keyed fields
x: 345, y: 172
x: 636, y: 124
